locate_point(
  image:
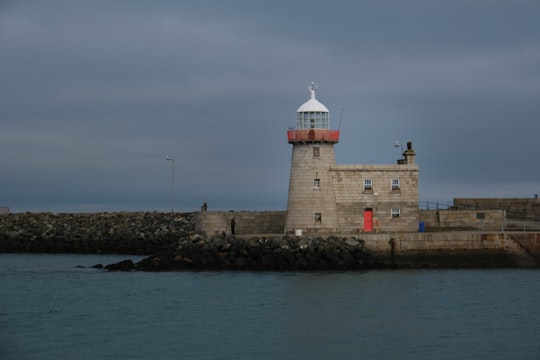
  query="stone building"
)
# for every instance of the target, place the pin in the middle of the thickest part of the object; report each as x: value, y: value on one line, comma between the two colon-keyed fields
x: 325, y: 197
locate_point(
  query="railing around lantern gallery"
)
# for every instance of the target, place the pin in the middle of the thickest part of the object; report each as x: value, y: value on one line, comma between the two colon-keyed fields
x: 307, y: 135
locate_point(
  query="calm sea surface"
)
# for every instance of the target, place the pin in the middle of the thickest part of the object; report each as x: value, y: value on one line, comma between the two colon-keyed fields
x: 50, y: 309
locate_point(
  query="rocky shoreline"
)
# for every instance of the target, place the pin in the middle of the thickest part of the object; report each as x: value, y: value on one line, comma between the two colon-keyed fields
x: 256, y: 253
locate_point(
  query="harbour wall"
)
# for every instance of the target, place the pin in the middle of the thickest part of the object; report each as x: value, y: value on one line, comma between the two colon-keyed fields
x: 456, y: 249
x: 213, y: 223
x: 515, y: 208
x: 285, y: 252
x: 439, y: 220
x: 164, y: 233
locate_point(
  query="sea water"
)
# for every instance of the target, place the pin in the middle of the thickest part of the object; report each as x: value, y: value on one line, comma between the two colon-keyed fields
x: 52, y: 309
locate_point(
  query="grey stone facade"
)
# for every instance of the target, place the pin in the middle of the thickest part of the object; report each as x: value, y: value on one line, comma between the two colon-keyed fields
x: 343, y: 202
x: 393, y: 208
x: 312, y: 203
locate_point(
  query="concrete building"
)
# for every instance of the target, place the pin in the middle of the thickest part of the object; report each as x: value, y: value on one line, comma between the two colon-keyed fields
x: 325, y: 197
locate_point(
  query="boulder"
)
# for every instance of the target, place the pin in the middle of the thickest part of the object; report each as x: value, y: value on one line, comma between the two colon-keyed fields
x: 124, y: 265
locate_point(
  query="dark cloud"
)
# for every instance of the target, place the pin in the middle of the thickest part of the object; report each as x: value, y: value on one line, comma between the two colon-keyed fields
x: 95, y: 94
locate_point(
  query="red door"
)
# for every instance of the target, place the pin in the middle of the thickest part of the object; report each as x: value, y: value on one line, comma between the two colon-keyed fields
x: 368, y: 220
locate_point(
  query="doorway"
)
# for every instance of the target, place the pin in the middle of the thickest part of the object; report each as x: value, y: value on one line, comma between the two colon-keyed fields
x: 368, y: 220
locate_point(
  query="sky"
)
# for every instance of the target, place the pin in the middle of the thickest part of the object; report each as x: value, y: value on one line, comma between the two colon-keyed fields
x: 95, y: 94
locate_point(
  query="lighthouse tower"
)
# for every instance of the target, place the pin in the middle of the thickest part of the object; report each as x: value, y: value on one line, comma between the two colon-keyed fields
x: 311, y: 206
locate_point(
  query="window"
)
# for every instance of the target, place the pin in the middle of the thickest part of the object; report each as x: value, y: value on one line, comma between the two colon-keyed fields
x: 318, y: 218
x: 325, y: 120
x: 316, y: 151
x: 395, y: 184
x: 395, y: 212
x: 317, y: 183
x: 312, y: 120
x: 367, y: 184
x: 300, y: 120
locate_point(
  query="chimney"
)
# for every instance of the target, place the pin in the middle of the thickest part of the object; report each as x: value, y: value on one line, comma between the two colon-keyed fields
x: 409, y: 154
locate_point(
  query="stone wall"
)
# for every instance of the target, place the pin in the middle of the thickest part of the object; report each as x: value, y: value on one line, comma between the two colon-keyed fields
x: 516, y: 208
x: 352, y: 199
x: 311, y: 206
x: 437, y: 220
x: 456, y: 249
x: 212, y: 223
x: 326, y: 198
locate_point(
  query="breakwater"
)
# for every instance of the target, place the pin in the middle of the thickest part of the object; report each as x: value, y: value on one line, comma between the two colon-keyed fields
x: 93, y: 233
x: 172, y: 243
x: 257, y: 253
x: 407, y: 250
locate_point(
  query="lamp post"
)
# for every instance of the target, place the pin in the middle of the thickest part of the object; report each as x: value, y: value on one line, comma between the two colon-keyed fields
x: 171, y: 159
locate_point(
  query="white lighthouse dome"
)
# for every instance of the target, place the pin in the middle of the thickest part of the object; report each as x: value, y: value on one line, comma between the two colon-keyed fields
x: 312, y: 114
x: 312, y: 104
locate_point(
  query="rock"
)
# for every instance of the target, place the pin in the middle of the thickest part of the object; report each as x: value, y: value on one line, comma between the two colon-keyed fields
x: 240, y: 262
x: 284, y: 244
x: 178, y: 258
x: 352, y: 242
x: 124, y: 265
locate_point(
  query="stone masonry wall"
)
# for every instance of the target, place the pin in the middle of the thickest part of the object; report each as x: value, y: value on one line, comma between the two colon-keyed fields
x: 456, y: 249
x: 516, y: 208
x: 461, y: 219
x: 305, y: 199
x: 352, y: 199
x: 213, y: 223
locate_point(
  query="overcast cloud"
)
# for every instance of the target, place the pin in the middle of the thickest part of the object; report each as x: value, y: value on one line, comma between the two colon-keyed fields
x: 95, y: 94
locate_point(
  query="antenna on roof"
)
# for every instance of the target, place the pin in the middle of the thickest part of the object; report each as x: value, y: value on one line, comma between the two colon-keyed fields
x: 340, y: 117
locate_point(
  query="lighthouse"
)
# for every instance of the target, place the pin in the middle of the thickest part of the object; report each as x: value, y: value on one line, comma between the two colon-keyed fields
x: 311, y: 205
x: 329, y: 198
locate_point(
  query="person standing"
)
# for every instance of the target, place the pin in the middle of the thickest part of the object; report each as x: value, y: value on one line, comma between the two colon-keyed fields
x: 233, y: 224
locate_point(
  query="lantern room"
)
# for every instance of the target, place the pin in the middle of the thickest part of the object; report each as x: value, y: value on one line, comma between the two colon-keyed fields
x: 312, y: 122
x: 312, y: 114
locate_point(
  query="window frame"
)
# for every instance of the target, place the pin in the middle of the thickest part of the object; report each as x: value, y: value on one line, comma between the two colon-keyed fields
x: 395, y: 184
x: 368, y: 184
